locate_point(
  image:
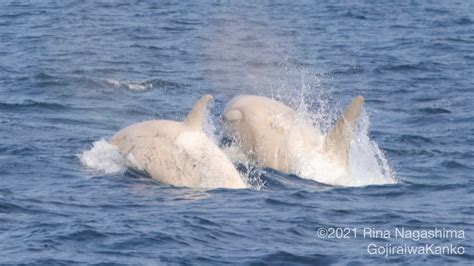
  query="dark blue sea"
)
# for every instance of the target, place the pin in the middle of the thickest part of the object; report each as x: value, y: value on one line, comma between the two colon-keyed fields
x: 72, y: 73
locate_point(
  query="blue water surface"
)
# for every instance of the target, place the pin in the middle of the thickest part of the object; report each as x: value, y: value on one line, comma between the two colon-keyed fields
x: 75, y: 72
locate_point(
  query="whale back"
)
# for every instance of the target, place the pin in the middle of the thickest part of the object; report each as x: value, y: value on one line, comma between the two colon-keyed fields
x: 178, y: 153
x: 337, y: 141
x: 190, y: 160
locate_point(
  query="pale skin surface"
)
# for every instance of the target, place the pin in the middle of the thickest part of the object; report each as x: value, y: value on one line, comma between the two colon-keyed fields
x: 269, y: 132
x: 178, y: 153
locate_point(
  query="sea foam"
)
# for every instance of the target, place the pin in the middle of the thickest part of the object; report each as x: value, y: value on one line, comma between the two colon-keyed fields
x: 103, y: 157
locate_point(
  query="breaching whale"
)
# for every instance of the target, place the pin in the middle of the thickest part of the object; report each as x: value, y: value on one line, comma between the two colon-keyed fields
x: 178, y: 153
x: 272, y: 135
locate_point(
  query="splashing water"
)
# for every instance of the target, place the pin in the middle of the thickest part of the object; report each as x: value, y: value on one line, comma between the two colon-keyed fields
x: 367, y: 163
x: 260, y: 62
x: 266, y: 66
x: 104, y: 157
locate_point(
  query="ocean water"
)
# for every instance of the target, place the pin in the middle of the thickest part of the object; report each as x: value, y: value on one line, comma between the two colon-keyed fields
x: 72, y: 73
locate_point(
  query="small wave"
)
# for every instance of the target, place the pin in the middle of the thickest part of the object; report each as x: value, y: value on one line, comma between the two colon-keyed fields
x: 434, y: 111
x: 45, y: 80
x: 468, y: 57
x: 7, y: 207
x: 5, y: 192
x: 399, y: 91
x: 351, y: 14
x: 426, y: 99
x: 437, y: 11
x: 464, y: 21
x: 12, y: 16
x: 104, y: 157
x: 43, y: 76
x: 421, y: 66
x: 31, y: 104
x: 283, y: 258
x: 140, y: 86
x: 348, y: 71
x: 460, y: 21
x: 114, y: 5
x: 460, y: 40
x: 454, y: 164
x: 415, y: 139
x: 375, y: 101
x: 83, y: 235
x: 176, y: 28
x: 185, y: 21
x: 150, y: 47
x: 15, y: 149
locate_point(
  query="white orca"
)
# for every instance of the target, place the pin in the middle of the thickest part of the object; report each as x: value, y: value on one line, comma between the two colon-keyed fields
x: 270, y: 133
x: 178, y: 153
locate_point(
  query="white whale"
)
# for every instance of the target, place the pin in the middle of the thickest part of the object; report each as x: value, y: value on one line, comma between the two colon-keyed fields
x: 270, y: 133
x: 178, y: 153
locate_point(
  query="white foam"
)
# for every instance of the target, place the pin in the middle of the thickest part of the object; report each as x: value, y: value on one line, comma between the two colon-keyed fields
x: 104, y: 157
x: 137, y: 86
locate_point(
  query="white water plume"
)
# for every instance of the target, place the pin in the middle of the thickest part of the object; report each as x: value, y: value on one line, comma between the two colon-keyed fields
x: 246, y: 58
x: 103, y: 157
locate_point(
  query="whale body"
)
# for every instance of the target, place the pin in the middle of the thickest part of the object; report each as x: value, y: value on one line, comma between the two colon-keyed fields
x: 272, y: 135
x: 178, y: 153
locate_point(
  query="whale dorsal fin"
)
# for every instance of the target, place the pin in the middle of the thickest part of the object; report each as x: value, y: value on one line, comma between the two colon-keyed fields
x: 337, y: 141
x: 196, y: 117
